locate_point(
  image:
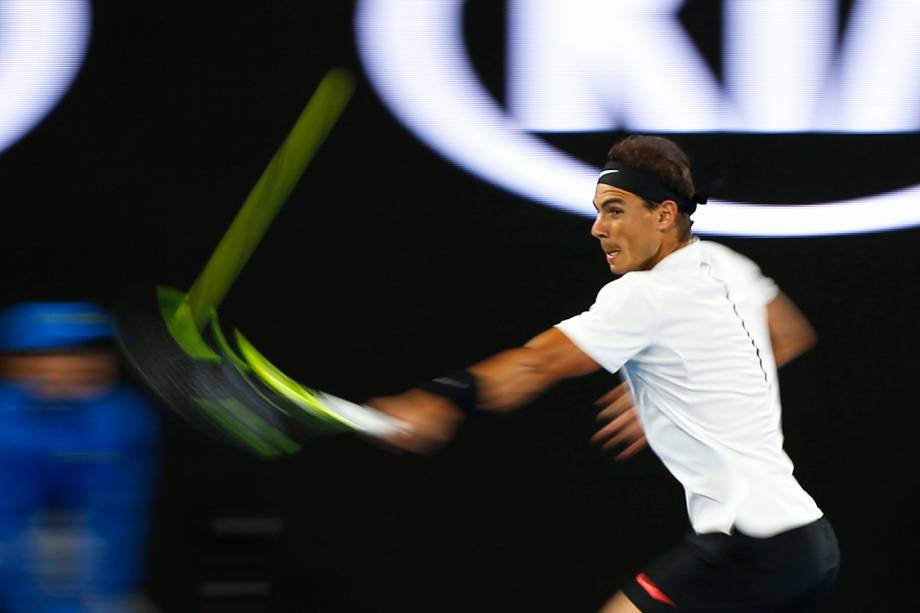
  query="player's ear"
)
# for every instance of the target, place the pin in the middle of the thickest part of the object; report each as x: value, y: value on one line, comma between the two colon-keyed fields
x: 667, y: 214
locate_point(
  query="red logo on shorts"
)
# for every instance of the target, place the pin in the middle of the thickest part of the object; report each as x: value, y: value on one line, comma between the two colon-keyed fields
x: 652, y: 589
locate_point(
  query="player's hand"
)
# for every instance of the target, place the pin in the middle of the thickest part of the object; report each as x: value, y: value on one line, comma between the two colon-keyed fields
x: 618, y: 412
x: 432, y: 419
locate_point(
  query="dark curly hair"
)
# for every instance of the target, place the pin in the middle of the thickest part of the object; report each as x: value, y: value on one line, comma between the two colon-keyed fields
x: 662, y: 158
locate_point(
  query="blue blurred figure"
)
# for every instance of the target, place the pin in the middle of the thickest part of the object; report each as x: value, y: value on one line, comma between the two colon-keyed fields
x: 77, y: 463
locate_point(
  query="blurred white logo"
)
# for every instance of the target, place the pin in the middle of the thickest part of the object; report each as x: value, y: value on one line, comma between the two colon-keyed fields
x: 42, y: 45
x: 599, y: 65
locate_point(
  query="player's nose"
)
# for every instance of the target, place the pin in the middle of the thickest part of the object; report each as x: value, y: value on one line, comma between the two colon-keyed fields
x: 597, y: 229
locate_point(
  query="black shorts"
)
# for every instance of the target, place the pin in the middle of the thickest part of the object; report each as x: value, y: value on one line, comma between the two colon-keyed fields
x: 791, y: 571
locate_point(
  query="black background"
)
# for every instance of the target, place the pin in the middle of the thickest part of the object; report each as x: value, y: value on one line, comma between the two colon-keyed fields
x: 388, y: 266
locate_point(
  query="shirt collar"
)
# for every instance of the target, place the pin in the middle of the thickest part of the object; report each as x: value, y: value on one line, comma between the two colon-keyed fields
x: 687, y: 257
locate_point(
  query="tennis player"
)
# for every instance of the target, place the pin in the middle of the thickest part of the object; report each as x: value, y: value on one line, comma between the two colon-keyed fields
x: 685, y: 322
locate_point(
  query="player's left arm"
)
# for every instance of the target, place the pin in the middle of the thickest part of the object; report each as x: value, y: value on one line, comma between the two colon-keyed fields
x: 512, y: 378
x: 503, y: 382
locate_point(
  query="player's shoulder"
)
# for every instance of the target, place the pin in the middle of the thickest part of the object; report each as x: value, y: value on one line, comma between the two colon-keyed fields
x: 725, y: 257
x: 635, y: 286
x: 715, y: 249
x: 634, y: 280
x: 744, y: 277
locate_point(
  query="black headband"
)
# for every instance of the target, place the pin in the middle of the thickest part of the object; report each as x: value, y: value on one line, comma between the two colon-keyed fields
x: 646, y: 185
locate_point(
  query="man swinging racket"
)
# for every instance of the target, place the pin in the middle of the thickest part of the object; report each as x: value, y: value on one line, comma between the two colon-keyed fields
x: 690, y: 323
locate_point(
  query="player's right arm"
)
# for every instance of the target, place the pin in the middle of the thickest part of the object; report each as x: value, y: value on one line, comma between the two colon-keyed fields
x: 791, y: 335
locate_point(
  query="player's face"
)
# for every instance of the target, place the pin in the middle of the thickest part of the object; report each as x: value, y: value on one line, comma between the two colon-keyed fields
x: 628, y: 231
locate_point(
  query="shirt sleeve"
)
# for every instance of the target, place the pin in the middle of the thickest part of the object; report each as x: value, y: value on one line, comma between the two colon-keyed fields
x: 763, y: 288
x: 747, y: 283
x: 619, y: 324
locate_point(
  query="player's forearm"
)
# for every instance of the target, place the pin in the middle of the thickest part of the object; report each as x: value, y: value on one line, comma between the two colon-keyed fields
x: 514, y: 377
x: 510, y: 379
x: 785, y: 350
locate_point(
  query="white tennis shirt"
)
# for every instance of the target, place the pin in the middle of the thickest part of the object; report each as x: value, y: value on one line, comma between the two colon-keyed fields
x: 692, y: 337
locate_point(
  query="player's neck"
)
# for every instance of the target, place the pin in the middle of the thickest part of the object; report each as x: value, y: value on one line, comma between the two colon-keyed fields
x: 669, y: 246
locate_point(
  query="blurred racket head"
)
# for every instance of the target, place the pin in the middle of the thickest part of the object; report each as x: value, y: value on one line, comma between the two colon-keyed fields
x: 233, y: 394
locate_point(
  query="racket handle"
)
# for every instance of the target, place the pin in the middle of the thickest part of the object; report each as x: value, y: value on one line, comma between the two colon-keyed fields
x: 367, y: 419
